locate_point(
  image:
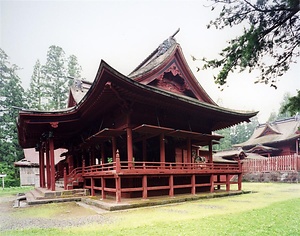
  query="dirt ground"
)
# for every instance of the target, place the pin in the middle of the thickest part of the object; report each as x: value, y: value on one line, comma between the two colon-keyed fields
x: 64, y: 215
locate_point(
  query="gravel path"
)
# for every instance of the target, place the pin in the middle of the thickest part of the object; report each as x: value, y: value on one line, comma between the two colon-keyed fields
x: 8, y: 220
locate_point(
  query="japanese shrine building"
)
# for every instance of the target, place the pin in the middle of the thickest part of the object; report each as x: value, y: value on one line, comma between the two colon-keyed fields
x: 278, y: 138
x: 136, y: 135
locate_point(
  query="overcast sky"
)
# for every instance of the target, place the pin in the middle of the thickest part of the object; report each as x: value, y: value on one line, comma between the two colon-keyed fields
x: 124, y: 33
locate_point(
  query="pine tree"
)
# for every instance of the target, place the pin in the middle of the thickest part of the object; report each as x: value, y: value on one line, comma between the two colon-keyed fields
x: 11, y: 94
x: 74, y: 69
x: 56, y: 82
x: 36, y: 92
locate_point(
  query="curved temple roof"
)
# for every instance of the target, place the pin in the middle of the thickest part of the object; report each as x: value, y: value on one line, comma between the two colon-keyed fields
x: 163, y: 80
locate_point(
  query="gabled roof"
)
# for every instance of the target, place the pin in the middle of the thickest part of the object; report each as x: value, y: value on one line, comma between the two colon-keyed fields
x: 271, y: 133
x: 167, y: 69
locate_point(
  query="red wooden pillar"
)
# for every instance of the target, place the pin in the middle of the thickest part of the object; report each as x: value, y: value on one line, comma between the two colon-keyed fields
x: 212, y: 184
x: 193, y: 180
x: 48, y: 166
x: 83, y: 165
x: 92, y: 186
x: 103, y: 195
x: 162, y: 149
x: 129, y: 147
x: 65, y: 178
x: 118, y: 188
x: 42, y: 167
x: 171, y: 184
x: 189, y: 150
x: 52, y: 164
x: 71, y: 163
x: 240, y: 177
x: 114, y: 148
x: 118, y: 164
x: 227, y: 182
x: 145, y: 186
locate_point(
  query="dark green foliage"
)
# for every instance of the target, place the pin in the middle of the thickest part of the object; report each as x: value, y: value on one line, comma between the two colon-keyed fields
x: 293, y: 105
x: 36, y: 91
x: 11, y: 98
x: 236, y: 134
x: 270, y: 41
x: 50, y: 83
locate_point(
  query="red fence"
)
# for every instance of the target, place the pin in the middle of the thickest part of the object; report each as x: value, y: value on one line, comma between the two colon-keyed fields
x: 276, y: 163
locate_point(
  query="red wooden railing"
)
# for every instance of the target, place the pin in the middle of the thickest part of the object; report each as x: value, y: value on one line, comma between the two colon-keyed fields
x: 146, y: 167
x: 72, y: 177
x: 276, y: 163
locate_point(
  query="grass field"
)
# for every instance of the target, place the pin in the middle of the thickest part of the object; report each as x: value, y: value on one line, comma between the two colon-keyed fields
x: 274, y: 209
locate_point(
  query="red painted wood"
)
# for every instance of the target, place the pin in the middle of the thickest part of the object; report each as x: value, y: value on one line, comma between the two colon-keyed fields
x: 52, y: 164
x: 65, y: 178
x: 48, y: 166
x: 144, y: 183
x: 162, y: 149
x: 118, y: 189
x: 171, y: 185
x: 129, y: 147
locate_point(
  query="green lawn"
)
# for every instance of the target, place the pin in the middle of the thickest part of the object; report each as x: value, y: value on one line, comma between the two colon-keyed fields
x: 13, y: 191
x: 274, y: 209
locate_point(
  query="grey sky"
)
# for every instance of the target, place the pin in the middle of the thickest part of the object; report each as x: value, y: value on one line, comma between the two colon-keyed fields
x: 123, y: 33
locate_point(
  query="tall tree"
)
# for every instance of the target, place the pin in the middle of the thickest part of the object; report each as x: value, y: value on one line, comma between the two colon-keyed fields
x: 56, y: 82
x: 36, y: 92
x: 293, y: 104
x: 74, y: 69
x: 270, y: 41
x: 11, y: 94
x: 236, y: 134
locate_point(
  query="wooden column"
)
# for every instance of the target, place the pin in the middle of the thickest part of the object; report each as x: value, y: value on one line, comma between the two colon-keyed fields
x: 129, y: 147
x: 162, y: 149
x: 52, y: 164
x: 212, y: 184
x: 92, y: 186
x: 42, y: 166
x: 189, y: 150
x: 171, y: 184
x: 103, y: 195
x: 145, y: 186
x: 118, y: 188
x: 65, y: 178
x: 48, y: 173
x: 240, y: 178
x: 227, y: 182
x: 193, y: 180
x: 114, y: 148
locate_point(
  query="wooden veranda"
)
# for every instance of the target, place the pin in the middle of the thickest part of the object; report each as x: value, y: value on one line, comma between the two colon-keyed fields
x: 145, y: 179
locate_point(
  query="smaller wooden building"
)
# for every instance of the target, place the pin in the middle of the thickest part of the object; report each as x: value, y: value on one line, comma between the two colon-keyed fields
x: 278, y: 138
x: 29, y: 166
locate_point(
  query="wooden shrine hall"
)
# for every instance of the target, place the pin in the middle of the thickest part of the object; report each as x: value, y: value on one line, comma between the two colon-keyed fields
x: 135, y: 136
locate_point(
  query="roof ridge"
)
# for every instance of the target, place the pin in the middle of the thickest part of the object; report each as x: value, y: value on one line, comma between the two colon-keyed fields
x: 160, y: 50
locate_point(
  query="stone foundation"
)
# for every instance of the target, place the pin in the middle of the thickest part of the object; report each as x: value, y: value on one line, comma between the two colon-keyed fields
x: 273, y: 176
